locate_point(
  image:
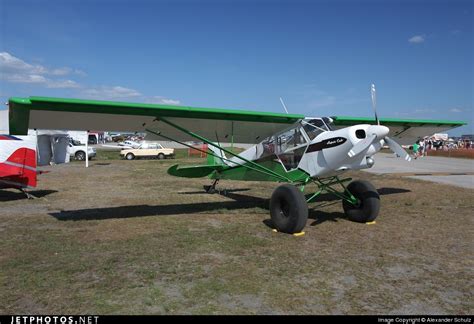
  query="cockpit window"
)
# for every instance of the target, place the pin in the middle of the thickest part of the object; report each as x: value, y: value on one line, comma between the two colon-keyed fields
x: 314, y: 127
x: 289, y: 146
x: 329, y: 123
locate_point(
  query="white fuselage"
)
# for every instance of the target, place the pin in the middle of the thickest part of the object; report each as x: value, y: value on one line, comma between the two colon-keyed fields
x: 328, y: 153
x: 318, y: 151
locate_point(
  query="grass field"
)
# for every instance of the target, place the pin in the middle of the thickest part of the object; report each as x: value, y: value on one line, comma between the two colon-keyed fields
x: 123, y: 237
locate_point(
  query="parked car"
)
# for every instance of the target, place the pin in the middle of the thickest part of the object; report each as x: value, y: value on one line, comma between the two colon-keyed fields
x: 92, y: 139
x: 130, y: 144
x: 150, y: 150
x: 118, y: 138
x: 78, y: 151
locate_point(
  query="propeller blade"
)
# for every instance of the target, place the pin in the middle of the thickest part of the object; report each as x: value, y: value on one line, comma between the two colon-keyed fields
x: 362, y: 145
x: 374, y: 102
x: 397, y: 149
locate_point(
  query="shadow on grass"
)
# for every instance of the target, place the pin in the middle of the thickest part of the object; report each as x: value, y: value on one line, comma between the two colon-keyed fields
x: 7, y: 195
x: 382, y: 192
x: 202, y: 192
x: 391, y: 191
x: 317, y: 215
x: 320, y: 216
x: 240, y: 201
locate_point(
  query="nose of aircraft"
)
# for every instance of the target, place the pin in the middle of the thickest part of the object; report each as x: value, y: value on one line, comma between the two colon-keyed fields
x: 380, y: 131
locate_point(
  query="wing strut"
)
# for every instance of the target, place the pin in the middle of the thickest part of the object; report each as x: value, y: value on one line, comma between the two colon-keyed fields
x: 208, y: 152
x: 257, y: 167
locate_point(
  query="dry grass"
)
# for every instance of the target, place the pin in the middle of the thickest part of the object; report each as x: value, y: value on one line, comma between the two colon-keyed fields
x: 123, y: 237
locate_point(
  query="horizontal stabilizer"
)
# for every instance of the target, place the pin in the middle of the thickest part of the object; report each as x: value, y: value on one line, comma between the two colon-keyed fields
x: 195, y: 171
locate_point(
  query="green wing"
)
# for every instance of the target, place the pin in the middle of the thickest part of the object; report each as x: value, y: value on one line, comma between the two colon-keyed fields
x: 221, y: 125
x: 405, y: 131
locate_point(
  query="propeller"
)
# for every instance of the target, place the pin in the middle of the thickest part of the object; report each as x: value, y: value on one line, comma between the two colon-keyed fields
x: 370, y: 139
x: 396, y: 148
x: 372, y: 95
x: 362, y: 145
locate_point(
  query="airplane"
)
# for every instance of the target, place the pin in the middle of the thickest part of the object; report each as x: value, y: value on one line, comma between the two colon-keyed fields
x: 18, y: 163
x: 287, y: 148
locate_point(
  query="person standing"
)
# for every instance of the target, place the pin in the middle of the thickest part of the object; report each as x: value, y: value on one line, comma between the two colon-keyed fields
x: 416, y: 147
x: 421, y: 149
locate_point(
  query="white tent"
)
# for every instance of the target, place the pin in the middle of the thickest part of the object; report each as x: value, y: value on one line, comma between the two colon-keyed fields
x: 51, y: 145
x: 440, y: 137
x: 4, y: 122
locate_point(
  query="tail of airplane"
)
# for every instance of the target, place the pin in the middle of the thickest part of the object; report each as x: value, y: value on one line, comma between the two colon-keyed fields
x: 215, y: 163
x: 23, y: 156
x: 17, y: 163
x: 217, y: 158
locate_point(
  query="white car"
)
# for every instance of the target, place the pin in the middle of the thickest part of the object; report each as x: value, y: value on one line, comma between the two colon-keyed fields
x: 150, y: 150
x: 78, y: 151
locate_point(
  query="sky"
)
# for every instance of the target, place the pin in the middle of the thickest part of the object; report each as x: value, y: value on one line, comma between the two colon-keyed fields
x: 319, y: 56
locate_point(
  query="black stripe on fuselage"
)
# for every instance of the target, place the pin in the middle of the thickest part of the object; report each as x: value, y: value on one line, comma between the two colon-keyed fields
x: 328, y: 143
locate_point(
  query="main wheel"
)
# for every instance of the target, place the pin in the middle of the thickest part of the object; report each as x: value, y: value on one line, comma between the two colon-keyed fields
x: 288, y: 209
x: 80, y: 155
x: 369, y: 202
x: 129, y: 156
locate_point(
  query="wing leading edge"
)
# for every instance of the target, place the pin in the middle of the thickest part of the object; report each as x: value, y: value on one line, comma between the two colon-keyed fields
x: 405, y: 131
x: 221, y: 125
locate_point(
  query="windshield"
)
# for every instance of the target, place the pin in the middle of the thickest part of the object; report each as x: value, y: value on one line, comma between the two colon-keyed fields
x: 329, y: 123
x: 314, y: 127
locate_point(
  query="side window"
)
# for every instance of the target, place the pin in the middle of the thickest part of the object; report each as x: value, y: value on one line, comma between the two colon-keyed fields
x: 290, y: 147
x: 289, y: 139
x: 266, y: 147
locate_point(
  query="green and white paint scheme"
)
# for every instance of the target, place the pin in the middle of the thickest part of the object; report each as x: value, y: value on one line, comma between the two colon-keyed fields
x: 288, y: 148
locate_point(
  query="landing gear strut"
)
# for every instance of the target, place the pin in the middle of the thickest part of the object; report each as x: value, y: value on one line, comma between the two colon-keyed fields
x: 289, y: 206
x: 211, y: 188
x: 360, y: 199
x: 27, y: 194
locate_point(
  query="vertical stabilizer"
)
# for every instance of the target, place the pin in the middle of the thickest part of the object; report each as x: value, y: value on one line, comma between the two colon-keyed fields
x: 216, y: 158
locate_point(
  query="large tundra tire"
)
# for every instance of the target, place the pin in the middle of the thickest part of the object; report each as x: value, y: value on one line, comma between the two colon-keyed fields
x: 367, y: 209
x: 288, y: 209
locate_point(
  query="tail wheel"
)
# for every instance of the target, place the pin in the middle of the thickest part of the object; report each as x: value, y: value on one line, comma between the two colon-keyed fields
x: 288, y: 209
x: 130, y: 156
x: 368, y: 207
x: 80, y: 155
